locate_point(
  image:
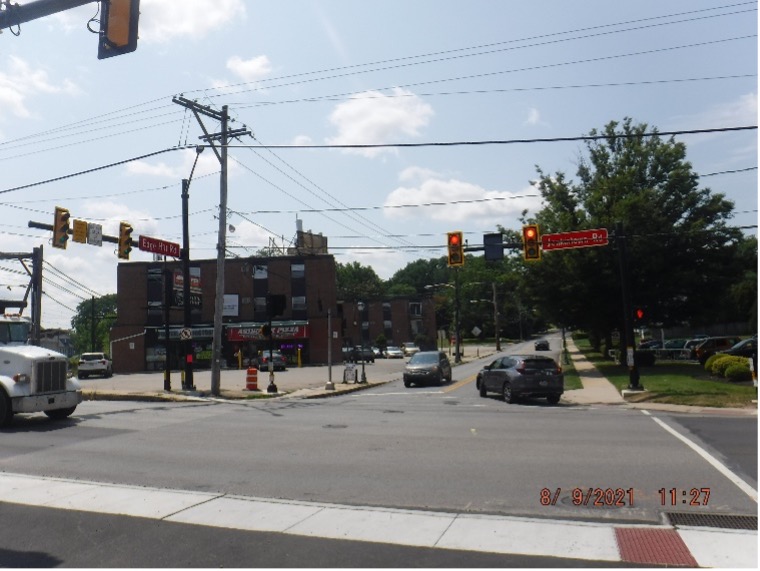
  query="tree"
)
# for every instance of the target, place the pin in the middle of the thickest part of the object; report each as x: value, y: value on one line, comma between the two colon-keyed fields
x: 93, y: 316
x: 680, y: 246
x: 357, y: 282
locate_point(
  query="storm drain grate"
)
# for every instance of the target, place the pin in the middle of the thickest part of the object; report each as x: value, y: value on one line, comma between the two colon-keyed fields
x: 723, y: 521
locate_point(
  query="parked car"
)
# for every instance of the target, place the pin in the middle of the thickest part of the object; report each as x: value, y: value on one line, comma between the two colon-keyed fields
x: 691, y: 346
x: 746, y: 348
x: 279, y: 362
x: 358, y: 354
x: 427, y: 367
x: 393, y: 352
x: 409, y: 349
x: 94, y: 364
x: 378, y: 353
x: 650, y: 344
x: 712, y: 345
x: 515, y: 376
x: 541, y: 345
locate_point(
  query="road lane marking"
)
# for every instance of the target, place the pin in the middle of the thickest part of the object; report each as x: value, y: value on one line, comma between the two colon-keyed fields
x: 714, y: 462
x: 459, y: 384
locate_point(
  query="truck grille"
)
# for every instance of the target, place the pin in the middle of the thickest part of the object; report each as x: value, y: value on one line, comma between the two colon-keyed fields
x: 49, y: 376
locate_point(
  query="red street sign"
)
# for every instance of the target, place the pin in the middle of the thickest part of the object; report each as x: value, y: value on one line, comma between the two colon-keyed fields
x: 579, y: 239
x: 156, y: 246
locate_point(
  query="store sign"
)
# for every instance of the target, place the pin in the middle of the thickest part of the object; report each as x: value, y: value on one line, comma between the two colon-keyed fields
x: 253, y: 332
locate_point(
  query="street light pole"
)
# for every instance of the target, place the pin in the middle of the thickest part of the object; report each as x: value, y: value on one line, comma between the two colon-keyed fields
x: 457, y: 354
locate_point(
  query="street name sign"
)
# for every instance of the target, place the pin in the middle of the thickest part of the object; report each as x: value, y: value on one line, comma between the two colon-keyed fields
x: 156, y: 246
x: 577, y: 239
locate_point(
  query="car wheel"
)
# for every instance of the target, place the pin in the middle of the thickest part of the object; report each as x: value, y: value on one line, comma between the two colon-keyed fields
x: 506, y: 392
x: 6, y: 411
x: 60, y: 413
x: 482, y: 389
x: 552, y: 399
x: 407, y: 384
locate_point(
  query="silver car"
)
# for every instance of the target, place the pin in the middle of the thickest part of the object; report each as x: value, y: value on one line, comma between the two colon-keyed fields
x: 514, y: 376
x: 427, y: 368
x: 94, y: 364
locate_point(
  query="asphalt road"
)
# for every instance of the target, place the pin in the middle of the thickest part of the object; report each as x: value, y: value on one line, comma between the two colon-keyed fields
x: 428, y: 448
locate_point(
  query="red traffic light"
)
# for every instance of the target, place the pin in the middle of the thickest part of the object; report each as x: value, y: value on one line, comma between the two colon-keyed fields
x: 531, y: 251
x: 455, y: 249
x: 639, y: 313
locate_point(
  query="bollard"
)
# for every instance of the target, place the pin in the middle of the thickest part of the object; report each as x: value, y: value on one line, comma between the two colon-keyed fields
x: 251, y: 379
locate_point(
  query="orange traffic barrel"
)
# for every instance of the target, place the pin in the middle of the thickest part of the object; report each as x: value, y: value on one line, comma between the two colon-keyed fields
x: 251, y: 379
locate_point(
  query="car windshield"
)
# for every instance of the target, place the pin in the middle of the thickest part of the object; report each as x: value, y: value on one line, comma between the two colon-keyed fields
x: 423, y: 358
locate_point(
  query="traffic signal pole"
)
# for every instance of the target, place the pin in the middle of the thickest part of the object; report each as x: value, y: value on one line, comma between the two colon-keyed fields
x: 629, y: 340
x: 15, y: 14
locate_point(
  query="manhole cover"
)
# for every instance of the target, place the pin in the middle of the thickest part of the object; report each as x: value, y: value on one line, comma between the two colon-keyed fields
x: 723, y: 521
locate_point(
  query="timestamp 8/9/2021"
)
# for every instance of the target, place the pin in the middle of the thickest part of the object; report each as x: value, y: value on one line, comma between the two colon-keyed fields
x: 624, y: 497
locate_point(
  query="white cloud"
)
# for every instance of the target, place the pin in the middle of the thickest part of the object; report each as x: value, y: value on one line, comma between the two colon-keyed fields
x: 250, y: 69
x: 207, y: 163
x: 163, y: 21
x: 456, y: 200
x: 21, y: 82
x: 375, y: 118
x: 534, y: 117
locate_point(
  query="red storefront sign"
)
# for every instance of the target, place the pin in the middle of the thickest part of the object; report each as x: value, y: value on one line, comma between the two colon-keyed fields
x: 241, y: 333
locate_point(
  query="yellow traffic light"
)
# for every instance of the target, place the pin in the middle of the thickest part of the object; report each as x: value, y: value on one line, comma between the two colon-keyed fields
x: 531, y: 251
x: 61, y: 227
x: 455, y: 249
x: 125, y: 240
x: 118, y: 27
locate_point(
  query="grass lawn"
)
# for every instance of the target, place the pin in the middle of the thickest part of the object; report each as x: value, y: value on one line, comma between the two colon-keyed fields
x: 674, y: 383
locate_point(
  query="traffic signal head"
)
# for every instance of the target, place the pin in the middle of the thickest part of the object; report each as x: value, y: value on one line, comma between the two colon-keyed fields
x: 118, y: 27
x: 125, y: 240
x: 531, y: 251
x: 455, y: 249
x: 639, y: 313
x: 61, y: 227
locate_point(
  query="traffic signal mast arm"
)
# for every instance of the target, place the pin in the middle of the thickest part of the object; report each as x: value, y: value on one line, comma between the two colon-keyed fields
x: 51, y: 227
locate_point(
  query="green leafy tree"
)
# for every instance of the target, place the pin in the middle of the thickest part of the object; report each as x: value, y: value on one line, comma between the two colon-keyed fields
x: 93, y: 316
x: 358, y: 282
x: 680, y: 247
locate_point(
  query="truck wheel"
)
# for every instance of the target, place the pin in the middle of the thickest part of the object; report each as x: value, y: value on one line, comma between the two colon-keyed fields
x: 6, y: 412
x: 60, y: 413
x: 552, y: 399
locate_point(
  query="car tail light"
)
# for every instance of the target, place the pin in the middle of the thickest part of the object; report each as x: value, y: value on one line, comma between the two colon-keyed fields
x: 559, y: 369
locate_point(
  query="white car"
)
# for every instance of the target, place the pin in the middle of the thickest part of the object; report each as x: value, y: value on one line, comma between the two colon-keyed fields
x: 392, y: 352
x: 410, y: 349
x: 94, y: 364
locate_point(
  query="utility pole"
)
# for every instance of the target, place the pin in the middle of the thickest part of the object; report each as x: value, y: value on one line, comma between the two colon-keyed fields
x: 496, y: 317
x: 629, y: 341
x: 223, y: 137
x: 457, y: 353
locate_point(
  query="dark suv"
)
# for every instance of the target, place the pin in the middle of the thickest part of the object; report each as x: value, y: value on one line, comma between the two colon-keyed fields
x: 522, y: 375
x: 712, y: 345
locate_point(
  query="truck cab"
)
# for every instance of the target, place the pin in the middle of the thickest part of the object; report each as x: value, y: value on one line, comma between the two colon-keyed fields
x: 32, y: 379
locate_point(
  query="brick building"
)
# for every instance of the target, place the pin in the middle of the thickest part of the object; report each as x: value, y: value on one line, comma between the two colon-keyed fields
x: 138, y: 339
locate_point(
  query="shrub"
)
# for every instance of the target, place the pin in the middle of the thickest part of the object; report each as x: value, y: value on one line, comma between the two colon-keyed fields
x: 720, y: 365
x: 710, y: 360
x: 738, y: 372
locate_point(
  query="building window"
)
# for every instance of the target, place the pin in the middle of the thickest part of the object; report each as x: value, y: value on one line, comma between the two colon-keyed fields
x: 297, y: 270
x: 260, y: 304
x: 299, y: 303
x: 260, y: 272
x: 415, y: 309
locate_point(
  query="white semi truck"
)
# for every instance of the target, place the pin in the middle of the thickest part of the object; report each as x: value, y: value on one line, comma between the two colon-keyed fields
x: 32, y: 379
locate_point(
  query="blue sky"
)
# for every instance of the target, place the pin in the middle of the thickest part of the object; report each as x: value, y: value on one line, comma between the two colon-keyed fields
x: 322, y: 72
